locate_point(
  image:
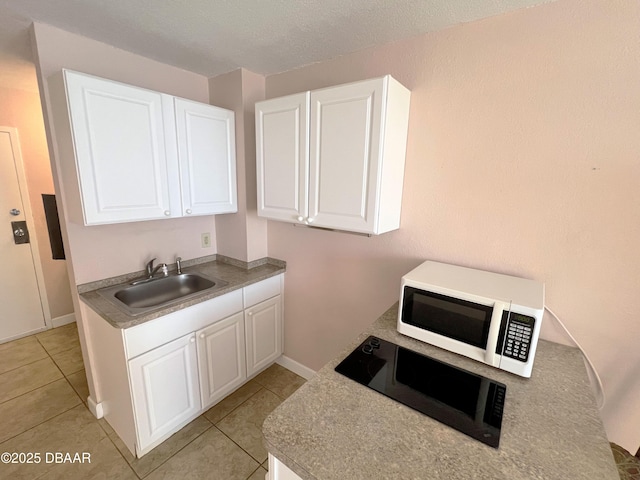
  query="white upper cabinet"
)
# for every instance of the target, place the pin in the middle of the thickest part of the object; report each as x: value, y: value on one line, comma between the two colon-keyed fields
x: 144, y: 155
x: 334, y: 158
x: 121, y: 155
x: 282, y: 157
x: 207, y: 154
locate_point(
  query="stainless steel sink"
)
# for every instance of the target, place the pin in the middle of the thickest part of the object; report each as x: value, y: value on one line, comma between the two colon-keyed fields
x: 142, y: 297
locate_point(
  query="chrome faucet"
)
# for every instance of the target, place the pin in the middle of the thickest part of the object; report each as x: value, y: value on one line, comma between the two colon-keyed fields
x: 151, y: 271
x: 179, y: 265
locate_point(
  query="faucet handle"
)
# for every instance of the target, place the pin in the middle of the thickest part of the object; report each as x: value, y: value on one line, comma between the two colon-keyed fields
x: 164, y: 268
x: 149, y: 267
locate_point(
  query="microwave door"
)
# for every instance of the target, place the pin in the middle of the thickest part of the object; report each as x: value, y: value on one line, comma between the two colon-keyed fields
x: 491, y: 357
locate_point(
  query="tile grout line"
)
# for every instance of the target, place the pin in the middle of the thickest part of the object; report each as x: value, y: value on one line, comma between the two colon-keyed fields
x: 65, y: 376
x: 40, y: 386
x: 240, y: 447
x: 28, y: 363
x: 259, y: 466
x: 118, y: 450
x: 236, y: 443
x: 44, y: 421
x: 33, y: 390
x: 236, y: 407
x: 54, y: 360
x: 179, y: 450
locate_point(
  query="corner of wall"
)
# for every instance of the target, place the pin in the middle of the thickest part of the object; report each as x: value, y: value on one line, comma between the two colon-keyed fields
x: 241, y: 235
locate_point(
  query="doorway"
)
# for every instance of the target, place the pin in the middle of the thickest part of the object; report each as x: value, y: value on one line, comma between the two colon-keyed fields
x: 25, y: 308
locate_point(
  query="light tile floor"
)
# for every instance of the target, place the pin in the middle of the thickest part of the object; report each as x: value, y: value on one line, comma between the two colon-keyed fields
x: 43, y: 392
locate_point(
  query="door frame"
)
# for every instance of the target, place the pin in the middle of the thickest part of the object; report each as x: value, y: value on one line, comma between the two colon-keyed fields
x: 33, y: 241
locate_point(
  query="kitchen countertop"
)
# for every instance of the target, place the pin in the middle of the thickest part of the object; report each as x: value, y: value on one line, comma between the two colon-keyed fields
x: 335, y: 428
x: 236, y: 273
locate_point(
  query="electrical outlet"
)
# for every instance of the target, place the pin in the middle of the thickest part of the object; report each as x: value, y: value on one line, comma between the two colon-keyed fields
x: 206, y: 240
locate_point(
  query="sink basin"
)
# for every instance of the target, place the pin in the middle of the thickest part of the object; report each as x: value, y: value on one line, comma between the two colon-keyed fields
x: 148, y: 295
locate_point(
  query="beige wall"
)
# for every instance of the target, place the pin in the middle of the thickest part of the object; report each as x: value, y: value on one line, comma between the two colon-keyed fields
x: 20, y: 108
x: 523, y: 159
x: 99, y: 252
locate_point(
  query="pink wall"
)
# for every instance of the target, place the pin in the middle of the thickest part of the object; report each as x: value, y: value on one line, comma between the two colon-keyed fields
x: 242, y: 236
x: 98, y: 252
x: 21, y: 109
x: 523, y: 159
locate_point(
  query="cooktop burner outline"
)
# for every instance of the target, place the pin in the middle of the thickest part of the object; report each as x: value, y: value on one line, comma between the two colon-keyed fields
x: 465, y: 401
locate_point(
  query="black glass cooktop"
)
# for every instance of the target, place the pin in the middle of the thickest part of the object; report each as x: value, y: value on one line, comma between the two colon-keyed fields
x: 470, y: 403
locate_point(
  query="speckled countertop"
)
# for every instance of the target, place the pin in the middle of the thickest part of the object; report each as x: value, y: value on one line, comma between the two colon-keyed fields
x: 335, y: 428
x: 236, y: 273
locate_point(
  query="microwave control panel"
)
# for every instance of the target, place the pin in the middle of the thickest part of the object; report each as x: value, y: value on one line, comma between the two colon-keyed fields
x: 515, y: 336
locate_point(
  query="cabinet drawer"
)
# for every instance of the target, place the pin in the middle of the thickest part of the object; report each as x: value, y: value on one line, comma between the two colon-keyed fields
x: 152, y: 334
x: 261, y: 291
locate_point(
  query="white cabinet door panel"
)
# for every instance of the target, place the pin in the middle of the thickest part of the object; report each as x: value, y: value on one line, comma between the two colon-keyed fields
x: 206, y: 149
x: 282, y: 156
x: 221, y: 358
x: 165, y: 388
x: 344, y: 159
x: 120, y: 150
x: 263, y: 329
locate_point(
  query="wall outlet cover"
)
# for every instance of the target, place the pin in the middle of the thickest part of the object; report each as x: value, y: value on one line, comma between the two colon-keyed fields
x: 206, y: 240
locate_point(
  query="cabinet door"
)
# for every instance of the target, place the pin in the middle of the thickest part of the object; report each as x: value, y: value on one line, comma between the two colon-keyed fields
x: 207, y: 157
x: 263, y: 326
x: 282, y: 157
x: 166, y: 393
x: 344, y: 155
x: 221, y: 358
x: 120, y: 150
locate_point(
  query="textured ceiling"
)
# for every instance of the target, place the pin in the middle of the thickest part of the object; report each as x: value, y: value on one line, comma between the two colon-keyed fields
x: 265, y: 36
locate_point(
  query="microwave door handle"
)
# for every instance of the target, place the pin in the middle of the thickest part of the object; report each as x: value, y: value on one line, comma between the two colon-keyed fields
x: 494, y: 330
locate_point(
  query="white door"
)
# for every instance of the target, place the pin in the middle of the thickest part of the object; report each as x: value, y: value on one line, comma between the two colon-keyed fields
x: 221, y: 358
x: 207, y: 154
x: 282, y: 157
x: 263, y: 328
x: 166, y: 391
x: 121, y: 155
x: 344, y: 155
x: 22, y: 312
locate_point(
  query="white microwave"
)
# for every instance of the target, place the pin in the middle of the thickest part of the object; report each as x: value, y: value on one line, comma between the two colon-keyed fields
x: 489, y: 317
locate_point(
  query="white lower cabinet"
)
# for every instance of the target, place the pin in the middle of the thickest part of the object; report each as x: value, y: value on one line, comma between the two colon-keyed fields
x: 156, y: 377
x: 165, y: 389
x: 263, y: 334
x: 279, y: 471
x: 221, y: 358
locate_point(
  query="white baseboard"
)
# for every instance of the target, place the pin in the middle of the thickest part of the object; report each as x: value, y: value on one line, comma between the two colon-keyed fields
x: 24, y: 334
x: 296, y: 367
x: 63, y: 320
x: 95, y: 408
